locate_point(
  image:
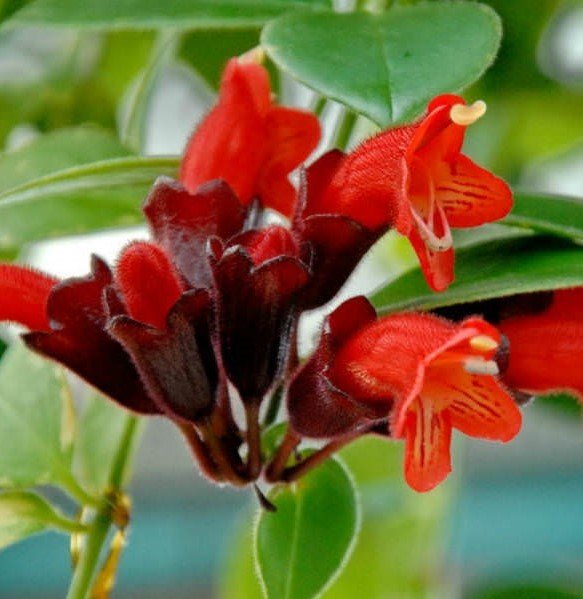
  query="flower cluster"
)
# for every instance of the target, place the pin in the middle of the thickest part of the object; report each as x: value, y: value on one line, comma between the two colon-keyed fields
x: 208, y: 310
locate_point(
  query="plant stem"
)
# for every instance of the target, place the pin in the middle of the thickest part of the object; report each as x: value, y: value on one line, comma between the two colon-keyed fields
x: 277, y: 465
x: 293, y: 473
x: 86, y: 568
x: 344, y: 130
x: 254, y: 460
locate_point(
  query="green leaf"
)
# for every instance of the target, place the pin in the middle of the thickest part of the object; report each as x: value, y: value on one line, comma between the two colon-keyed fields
x: 101, y: 430
x: 153, y: 14
x: 208, y: 52
x: 55, y: 151
x: 95, y: 196
x: 386, y: 66
x: 493, y: 269
x: 303, y: 546
x: 36, y: 421
x: 23, y: 514
x: 555, y: 215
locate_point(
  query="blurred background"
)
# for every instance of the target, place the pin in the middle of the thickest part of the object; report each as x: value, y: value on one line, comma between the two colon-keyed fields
x: 509, y: 523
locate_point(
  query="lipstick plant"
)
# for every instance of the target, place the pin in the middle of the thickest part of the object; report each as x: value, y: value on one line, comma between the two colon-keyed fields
x: 260, y: 220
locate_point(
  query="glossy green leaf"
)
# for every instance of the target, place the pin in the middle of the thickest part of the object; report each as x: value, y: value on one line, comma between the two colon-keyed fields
x: 23, y: 514
x: 102, y: 428
x: 208, y: 52
x: 386, y: 66
x: 493, y: 269
x: 305, y: 544
x: 95, y: 196
x: 36, y: 421
x: 555, y: 215
x: 56, y: 151
x: 153, y: 14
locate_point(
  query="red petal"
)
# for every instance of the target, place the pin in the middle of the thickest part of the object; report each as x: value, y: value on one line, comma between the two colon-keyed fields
x: 370, y: 185
x: 477, y: 405
x: 148, y: 282
x: 437, y: 267
x: 546, y: 349
x: 437, y: 138
x: 427, y: 447
x: 267, y: 244
x: 23, y: 296
x: 292, y: 135
x: 230, y: 143
x: 470, y: 195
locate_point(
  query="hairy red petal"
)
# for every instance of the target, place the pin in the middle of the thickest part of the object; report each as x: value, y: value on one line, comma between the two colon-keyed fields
x: 546, y: 349
x: 427, y: 447
x: 292, y: 135
x: 230, y: 143
x: 370, y: 184
x: 23, y: 296
x: 148, y: 282
x: 267, y: 244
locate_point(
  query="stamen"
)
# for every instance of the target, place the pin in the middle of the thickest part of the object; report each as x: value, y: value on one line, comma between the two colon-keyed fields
x: 483, y: 343
x: 464, y: 115
x: 256, y: 55
x: 480, y: 366
x: 431, y: 240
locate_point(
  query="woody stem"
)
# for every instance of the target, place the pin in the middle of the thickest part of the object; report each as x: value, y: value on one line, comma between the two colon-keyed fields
x: 293, y: 473
x: 277, y: 465
x: 254, y: 460
x: 200, y: 452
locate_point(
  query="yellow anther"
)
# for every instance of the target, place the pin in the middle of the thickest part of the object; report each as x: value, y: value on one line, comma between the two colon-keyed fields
x: 483, y: 343
x: 256, y: 55
x: 464, y: 115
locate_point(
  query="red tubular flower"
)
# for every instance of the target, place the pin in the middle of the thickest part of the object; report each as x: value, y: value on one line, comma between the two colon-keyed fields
x: 138, y: 337
x: 429, y: 375
x: 546, y: 345
x: 331, y: 243
x: 317, y: 407
x: 249, y: 141
x: 258, y: 275
x: 416, y: 179
x: 77, y: 338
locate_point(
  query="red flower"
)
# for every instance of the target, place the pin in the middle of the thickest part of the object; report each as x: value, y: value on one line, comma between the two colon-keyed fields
x: 428, y: 374
x: 139, y: 337
x: 546, y: 345
x: 249, y: 141
x: 416, y: 179
x: 331, y: 243
x: 258, y: 275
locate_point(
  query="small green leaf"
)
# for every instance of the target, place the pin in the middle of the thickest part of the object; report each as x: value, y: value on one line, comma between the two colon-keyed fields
x: 493, y: 269
x: 555, y: 215
x: 153, y: 14
x: 36, y: 421
x: 101, y: 430
x: 387, y: 66
x: 91, y: 197
x: 23, y: 514
x: 303, y: 546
